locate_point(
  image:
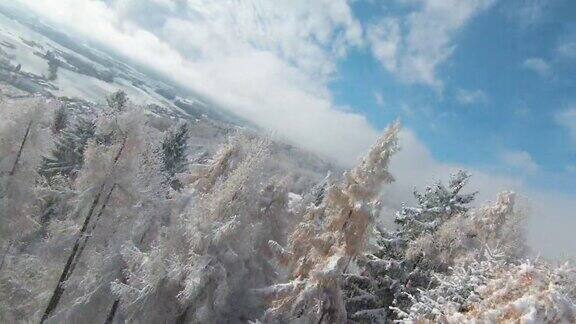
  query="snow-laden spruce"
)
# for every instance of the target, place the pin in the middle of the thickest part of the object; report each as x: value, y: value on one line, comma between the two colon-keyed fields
x: 397, y: 266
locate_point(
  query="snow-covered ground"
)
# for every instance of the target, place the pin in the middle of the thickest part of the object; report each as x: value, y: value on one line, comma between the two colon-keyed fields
x: 23, y: 45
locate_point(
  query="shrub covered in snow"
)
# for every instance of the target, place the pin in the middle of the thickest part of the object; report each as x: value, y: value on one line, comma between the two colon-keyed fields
x: 492, y: 290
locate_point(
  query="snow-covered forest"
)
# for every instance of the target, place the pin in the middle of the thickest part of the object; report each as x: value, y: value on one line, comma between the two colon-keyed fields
x: 115, y: 214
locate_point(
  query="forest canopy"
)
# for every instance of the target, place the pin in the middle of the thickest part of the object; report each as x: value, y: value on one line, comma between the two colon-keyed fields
x: 113, y: 213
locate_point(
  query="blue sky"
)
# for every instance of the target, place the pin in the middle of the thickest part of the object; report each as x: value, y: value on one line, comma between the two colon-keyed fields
x: 492, y: 101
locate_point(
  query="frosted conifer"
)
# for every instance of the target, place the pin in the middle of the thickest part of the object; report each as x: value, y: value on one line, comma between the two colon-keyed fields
x: 390, y: 274
x: 67, y: 157
x: 117, y: 101
x: 328, y: 239
x: 174, y: 153
x: 60, y: 120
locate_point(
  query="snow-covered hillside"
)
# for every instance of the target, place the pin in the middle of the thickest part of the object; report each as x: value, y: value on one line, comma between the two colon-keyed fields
x: 37, y: 58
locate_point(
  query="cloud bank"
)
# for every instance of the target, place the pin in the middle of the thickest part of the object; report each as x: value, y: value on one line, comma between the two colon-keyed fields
x: 266, y: 61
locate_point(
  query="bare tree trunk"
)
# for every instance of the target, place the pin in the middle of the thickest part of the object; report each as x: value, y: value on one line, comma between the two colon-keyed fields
x: 59, y: 291
x: 5, y: 254
x: 87, y: 236
x: 70, y: 263
x: 181, y: 319
x: 324, y: 311
x: 13, y: 171
x: 116, y: 304
x: 112, y: 312
x: 207, y: 292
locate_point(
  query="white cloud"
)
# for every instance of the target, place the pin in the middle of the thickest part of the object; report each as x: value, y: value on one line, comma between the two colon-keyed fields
x: 268, y: 61
x: 414, y: 45
x: 520, y: 161
x: 567, y: 119
x: 539, y: 66
x: 567, y: 50
x: 469, y: 97
x: 385, y: 39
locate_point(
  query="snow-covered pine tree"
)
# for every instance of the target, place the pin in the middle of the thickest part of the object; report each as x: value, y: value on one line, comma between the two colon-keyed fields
x: 174, y: 153
x: 130, y: 212
x: 499, y: 226
x: 60, y: 120
x: 328, y: 239
x: 67, y: 157
x: 436, y: 205
x: 60, y: 168
x: 203, y: 266
x: 117, y: 101
x: 389, y: 275
x: 53, y: 64
x: 319, y: 190
x: 108, y: 178
x: 24, y: 135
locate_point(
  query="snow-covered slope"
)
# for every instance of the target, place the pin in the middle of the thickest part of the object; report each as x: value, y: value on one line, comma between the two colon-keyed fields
x: 37, y: 58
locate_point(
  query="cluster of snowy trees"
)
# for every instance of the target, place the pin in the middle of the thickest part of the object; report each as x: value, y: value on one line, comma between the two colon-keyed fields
x: 109, y: 215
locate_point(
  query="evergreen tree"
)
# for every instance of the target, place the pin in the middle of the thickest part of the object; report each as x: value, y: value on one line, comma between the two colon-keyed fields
x: 117, y: 100
x: 60, y: 120
x: 107, y: 170
x: 53, y: 65
x: 211, y: 246
x: 391, y: 275
x: 68, y: 155
x: 435, y: 206
x: 174, y: 153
